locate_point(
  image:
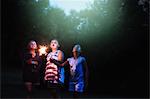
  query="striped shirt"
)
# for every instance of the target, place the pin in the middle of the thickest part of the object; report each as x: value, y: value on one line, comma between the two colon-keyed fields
x: 53, y: 72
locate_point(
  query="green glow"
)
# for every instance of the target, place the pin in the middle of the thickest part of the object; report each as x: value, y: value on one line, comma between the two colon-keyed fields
x: 98, y: 21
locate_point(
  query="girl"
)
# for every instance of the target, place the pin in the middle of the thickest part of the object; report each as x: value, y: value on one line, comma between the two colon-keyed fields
x: 31, y: 67
x: 78, y: 79
x: 54, y: 75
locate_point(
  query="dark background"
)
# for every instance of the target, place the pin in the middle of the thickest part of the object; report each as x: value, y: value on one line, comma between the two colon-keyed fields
x: 118, y: 68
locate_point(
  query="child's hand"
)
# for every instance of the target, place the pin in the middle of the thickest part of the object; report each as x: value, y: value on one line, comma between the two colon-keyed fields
x: 62, y: 64
x: 51, y: 60
x: 29, y: 61
x: 48, y: 63
x: 35, y: 62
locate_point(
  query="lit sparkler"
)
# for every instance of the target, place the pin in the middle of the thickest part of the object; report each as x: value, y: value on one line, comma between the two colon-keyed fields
x: 42, y: 50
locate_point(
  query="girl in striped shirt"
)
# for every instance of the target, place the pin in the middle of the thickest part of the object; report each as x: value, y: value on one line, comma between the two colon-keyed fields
x: 54, y: 75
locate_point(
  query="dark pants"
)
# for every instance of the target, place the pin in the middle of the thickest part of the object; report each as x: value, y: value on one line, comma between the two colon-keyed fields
x: 56, y: 90
x: 76, y: 94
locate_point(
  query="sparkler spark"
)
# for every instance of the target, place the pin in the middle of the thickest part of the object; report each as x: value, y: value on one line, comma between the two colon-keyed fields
x: 42, y: 50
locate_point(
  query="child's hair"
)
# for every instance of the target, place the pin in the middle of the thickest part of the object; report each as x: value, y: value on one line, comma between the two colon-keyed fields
x: 76, y: 48
x: 28, y: 46
x: 56, y: 41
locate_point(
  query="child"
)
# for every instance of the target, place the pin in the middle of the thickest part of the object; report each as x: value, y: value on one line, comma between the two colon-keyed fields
x: 78, y: 72
x: 31, y: 67
x: 54, y: 75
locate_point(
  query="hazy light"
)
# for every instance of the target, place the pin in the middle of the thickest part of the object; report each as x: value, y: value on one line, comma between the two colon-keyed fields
x: 68, y: 5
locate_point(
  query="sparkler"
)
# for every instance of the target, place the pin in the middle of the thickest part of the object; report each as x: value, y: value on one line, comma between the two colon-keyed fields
x: 42, y: 50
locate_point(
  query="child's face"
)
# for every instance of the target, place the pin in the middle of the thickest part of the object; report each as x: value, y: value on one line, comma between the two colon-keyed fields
x: 54, y: 44
x: 75, y: 54
x: 33, y: 45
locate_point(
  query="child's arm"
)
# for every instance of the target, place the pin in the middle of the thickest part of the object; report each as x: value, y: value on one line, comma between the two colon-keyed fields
x: 86, y: 73
x: 60, y: 59
x: 65, y: 63
x: 60, y: 56
x: 58, y: 63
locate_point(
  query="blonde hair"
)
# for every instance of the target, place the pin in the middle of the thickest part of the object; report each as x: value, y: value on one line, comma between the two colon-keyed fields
x: 56, y: 41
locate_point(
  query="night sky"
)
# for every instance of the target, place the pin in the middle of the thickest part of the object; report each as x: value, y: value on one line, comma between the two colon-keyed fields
x: 118, y: 67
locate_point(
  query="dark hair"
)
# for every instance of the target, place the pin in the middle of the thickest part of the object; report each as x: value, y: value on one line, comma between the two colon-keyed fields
x: 28, y: 46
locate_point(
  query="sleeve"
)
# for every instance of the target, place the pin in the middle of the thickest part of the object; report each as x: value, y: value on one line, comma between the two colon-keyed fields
x: 40, y: 60
x: 26, y: 57
x: 25, y: 66
x: 56, y: 62
x: 83, y: 59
